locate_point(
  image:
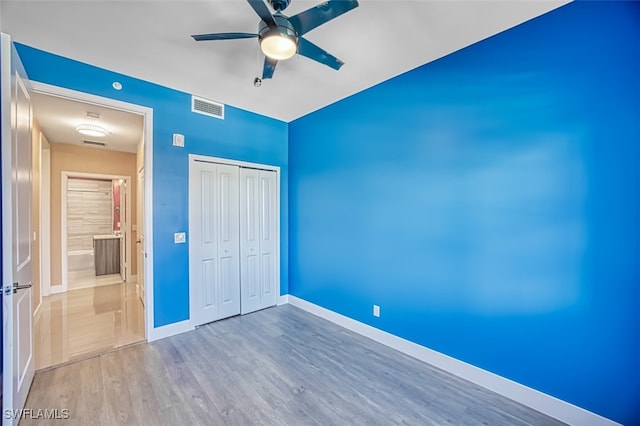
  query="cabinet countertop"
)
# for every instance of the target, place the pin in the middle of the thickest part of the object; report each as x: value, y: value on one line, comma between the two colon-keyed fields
x: 106, y: 237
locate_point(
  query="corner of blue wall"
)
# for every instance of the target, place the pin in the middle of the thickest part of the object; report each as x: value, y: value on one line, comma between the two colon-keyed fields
x: 492, y: 209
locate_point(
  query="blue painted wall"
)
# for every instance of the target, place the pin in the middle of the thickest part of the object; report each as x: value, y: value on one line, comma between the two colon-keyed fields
x: 241, y: 135
x: 490, y: 203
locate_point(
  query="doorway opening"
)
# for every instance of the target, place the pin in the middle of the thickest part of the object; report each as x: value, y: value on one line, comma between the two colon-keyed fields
x: 91, y: 283
x: 96, y: 231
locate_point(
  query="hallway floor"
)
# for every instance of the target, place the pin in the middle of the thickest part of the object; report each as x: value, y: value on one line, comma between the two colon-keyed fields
x: 87, y: 278
x: 80, y: 323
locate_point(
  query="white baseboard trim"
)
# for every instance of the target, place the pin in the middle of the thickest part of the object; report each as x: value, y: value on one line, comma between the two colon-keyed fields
x: 283, y: 300
x: 532, y: 398
x: 184, y: 326
x: 55, y: 289
x: 158, y: 333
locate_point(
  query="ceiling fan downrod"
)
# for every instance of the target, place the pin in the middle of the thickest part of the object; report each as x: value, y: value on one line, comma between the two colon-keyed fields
x: 279, y: 5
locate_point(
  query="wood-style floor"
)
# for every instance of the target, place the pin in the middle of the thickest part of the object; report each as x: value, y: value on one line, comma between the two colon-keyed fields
x: 279, y: 366
x: 80, y: 323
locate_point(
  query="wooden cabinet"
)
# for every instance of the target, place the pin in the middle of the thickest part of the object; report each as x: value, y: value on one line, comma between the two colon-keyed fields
x: 106, y: 251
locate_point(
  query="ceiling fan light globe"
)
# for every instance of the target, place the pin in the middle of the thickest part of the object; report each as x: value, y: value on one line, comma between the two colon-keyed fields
x: 278, y: 46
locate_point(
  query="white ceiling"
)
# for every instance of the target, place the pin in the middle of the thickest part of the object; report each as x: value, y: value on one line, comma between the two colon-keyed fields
x: 58, y: 118
x: 151, y: 40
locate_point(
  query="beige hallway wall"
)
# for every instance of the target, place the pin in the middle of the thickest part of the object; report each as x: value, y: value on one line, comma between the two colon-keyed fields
x: 139, y: 165
x: 72, y: 158
x: 36, y: 162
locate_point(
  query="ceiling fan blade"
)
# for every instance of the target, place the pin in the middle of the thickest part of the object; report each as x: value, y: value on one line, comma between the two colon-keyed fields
x: 222, y: 36
x: 263, y: 12
x: 311, y: 51
x: 305, y: 21
x: 269, y: 67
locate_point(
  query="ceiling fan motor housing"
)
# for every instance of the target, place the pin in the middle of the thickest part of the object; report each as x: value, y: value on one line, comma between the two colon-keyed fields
x: 284, y: 29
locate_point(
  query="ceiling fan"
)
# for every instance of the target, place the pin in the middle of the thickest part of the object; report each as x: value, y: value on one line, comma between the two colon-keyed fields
x: 280, y: 37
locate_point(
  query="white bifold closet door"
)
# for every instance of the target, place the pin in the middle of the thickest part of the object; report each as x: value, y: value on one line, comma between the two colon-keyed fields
x: 214, y: 242
x: 258, y: 239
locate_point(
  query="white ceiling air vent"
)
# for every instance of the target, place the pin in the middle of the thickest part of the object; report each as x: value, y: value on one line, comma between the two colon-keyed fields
x: 93, y: 143
x: 207, y: 107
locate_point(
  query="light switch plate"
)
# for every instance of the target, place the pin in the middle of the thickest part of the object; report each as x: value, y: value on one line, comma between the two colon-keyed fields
x: 178, y: 140
x: 179, y: 237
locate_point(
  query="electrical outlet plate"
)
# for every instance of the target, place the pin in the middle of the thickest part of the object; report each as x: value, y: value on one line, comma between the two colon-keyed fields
x: 179, y: 237
x: 376, y: 310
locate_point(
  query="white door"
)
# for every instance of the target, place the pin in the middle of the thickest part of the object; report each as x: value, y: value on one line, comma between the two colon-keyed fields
x: 123, y: 230
x: 214, y: 276
x: 268, y: 239
x: 17, y: 329
x: 258, y: 243
x: 140, y: 241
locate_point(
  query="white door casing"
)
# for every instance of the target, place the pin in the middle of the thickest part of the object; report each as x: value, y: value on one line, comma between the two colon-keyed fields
x: 140, y: 230
x: 258, y: 239
x: 124, y: 235
x: 18, y: 360
x: 214, y: 276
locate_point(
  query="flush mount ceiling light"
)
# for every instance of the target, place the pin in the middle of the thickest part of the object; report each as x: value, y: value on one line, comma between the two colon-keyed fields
x: 92, y: 130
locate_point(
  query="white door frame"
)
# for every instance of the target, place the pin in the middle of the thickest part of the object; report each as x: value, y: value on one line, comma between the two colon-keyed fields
x: 45, y: 218
x: 147, y: 114
x: 276, y: 169
x: 66, y: 175
x: 140, y: 231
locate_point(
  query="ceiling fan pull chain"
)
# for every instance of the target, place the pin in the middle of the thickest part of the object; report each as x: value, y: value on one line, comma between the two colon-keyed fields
x: 257, y: 82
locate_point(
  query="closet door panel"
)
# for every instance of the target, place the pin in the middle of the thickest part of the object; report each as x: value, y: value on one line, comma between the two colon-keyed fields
x: 202, y: 245
x: 268, y: 239
x: 214, y: 277
x: 250, y: 240
x: 228, y: 241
